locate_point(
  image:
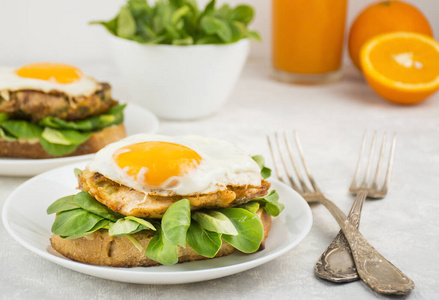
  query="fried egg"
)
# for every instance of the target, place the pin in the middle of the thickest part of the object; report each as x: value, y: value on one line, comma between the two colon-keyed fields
x: 47, y: 77
x: 166, y: 166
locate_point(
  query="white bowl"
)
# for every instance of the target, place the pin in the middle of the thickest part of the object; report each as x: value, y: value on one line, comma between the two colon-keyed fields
x: 180, y: 82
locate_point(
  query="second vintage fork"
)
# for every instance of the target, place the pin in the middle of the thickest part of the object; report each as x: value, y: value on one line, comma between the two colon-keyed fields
x: 375, y: 270
x: 336, y: 263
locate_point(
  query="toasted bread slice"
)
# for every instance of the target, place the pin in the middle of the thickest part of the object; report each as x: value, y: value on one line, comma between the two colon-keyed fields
x: 33, y: 149
x: 99, y: 248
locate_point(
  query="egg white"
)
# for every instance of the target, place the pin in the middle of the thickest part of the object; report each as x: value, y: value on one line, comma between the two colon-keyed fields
x: 222, y: 164
x: 10, y: 81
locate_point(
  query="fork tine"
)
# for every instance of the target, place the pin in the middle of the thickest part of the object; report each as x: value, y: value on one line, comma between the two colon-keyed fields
x: 275, y: 161
x: 305, y: 165
x: 369, y: 162
x: 357, y: 169
x: 380, y: 159
x: 303, y: 186
x: 389, y: 165
x: 285, y: 163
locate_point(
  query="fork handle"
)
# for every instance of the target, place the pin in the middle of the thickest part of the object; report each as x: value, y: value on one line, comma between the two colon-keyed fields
x: 375, y: 270
x: 336, y: 263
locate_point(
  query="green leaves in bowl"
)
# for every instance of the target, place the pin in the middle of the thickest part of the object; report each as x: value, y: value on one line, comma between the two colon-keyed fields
x: 181, y: 22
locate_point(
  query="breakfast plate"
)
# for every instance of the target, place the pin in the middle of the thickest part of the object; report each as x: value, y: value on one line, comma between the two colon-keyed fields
x: 24, y: 216
x: 137, y: 120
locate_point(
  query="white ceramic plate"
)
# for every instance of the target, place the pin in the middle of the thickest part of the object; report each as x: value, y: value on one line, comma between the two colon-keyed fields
x: 24, y: 216
x: 137, y: 120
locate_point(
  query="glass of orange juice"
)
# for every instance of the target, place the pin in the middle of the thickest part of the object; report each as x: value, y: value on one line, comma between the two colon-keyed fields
x: 308, y: 40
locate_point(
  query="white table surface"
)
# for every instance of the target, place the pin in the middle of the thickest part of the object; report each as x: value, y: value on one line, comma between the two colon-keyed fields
x: 331, y: 120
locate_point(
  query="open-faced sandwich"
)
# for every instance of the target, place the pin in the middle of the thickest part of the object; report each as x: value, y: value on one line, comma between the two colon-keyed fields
x: 52, y: 110
x: 149, y: 199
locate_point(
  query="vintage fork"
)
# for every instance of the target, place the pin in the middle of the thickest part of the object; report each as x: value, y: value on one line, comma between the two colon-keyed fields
x: 376, y: 271
x: 336, y: 264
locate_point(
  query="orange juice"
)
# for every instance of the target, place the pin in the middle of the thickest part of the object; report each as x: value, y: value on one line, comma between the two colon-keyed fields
x: 308, y: 38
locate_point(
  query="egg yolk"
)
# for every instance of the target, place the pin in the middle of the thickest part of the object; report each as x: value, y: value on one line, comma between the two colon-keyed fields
x: 61, y: 73
x: 153, y: 163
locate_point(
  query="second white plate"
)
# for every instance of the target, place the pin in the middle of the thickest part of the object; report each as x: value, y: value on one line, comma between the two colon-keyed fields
x: 137, y: 120
x: 24, y: 216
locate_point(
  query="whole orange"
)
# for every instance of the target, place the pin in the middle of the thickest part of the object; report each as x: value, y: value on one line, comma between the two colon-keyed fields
x: 385, y: 17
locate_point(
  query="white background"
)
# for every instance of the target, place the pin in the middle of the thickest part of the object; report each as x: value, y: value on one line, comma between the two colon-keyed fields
x: 54, y: 30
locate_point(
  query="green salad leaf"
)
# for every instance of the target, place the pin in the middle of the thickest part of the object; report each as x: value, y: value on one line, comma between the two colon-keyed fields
x: 265, y: 172
x: 6, y: 137
x: 123, y: 227
x: 57, y: 149
x: 113, y: 116
x: 162, y: 250
x: 4, y: 117
x: 243, y: 13
x: 271, y: 203
x: 251, y: 206
x: 204, y: 242
x: 176, y: 221
x: 249, y: 227
x: 90, y: 204
x: 214, y: 221
x: 74, y: 222
x: 101, y: 224
x: 64, y: 136
x: 21, y: 129
x: 126, y: 24
x: 143, y: 222
x: 181, y: 22
x: 62, y: 204
x: 77, y: 172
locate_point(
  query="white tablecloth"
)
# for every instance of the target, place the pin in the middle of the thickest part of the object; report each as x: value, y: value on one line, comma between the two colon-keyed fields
x: 331, y: 120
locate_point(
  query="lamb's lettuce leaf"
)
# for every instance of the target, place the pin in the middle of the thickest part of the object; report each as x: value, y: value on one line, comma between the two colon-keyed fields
x: 265, y: 172
x: 99, y: 225
x: 3, y: 117
x: 271, y: 203
x: 6, y: 137
x: 161, y: 249
x: 249, y: 227
x: 74, y: 222
x: 21, y: 129
x: 123, y: 227
x: 113, y: 116
x: 252, y: 206
x: 57, y: 149
x: 63, y: 204
x: 176, y: 221
x: 143, y: 222
x: 214, y: 221
x: 64, y: 136
x: 204, y: 242
x: 90, y: 204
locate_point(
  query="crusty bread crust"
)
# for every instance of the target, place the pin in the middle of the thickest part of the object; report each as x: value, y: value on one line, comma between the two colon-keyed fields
x: 99, y: 248
x: 97, y: 140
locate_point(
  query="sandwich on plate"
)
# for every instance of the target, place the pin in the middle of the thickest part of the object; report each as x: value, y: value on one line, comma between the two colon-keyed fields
x: 149, y: 199
x: 52, y: 110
